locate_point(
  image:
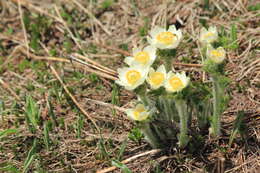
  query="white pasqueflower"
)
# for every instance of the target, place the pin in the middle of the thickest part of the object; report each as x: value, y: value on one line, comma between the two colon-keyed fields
x: 165, y: 39
x: 156, y: 78
x: 176, y: 82
x: 216, y: 55
x: 139, y: 113
x: 131, y: 77
x: 208, y: 36
x: 144, y: 57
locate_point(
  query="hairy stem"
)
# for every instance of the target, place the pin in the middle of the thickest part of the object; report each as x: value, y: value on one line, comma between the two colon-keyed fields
x: 141, y: 92
x: 144, y: 99
x: 168, y: 63
x: 217, y: 111
x: 150, y: 135
x: 166, y: 107
x: 183, y: 114
x: 167, y: 56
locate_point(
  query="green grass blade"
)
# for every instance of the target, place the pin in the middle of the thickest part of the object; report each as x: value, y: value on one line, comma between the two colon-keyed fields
x: 46, y: 135
x: 51, y: 112
x: 102, y: 149
x: 2, y: 108
x: 7, y: 132
x: 234, y: 44
x: 30, y: 157
x: 122, y: 166
x: 10, y: 168
x: 233, y: 32
x: 206, y: 4
x: 80, y: 125
x: 32, y: 112
x: 115, y: 97
x: 255, y: 7
x: 122, y: 149
x: 238, y: 127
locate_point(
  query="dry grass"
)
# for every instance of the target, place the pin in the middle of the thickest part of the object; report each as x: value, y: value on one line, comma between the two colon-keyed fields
x: 101, y: 34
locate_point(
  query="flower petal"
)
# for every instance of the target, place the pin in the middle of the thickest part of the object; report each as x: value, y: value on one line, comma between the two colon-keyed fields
x: 172, y: 28
x: 128, y: 60
x: 156, y: 30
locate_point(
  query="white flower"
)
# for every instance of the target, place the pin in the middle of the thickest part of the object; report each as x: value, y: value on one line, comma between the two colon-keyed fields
x: 216, y: 55
x: 139, y: 113
x: 144, y: 57
x: 131, y: 77
x: 165, y: 39
x: 176, y: 82
x: 208, y: 36
x: 156, y: 78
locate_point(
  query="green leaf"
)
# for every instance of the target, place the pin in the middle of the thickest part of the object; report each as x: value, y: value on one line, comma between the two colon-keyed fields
x: 94, y: 78
x: 122, y: 149
x: 10, y: 168
x: 32, y: 113
x: 2, y: 108
x: 46, y: 135
x: 239, y: 126
x: 233, y: 32
x: 30, y: 157
x: 135, y: 135
x: 124, y: 47
x: 67, y: 44
x: 254, y: 7
x: 102, y: 148
x: 122, y: 166
x: 107, y: 3
x: 26, y: 21
x: 35, y: 38
x: 143, y: 31
x: 80, y: 125
x: 234, y: 44
x: 7, y: 132
x: 203, y: 22
x: 206, y: 4
x: 51, y: 112
x: 23, y: 65
x: 67, y: 17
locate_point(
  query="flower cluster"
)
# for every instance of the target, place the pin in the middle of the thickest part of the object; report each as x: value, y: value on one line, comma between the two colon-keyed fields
x: 215, y: 57
x: 207, y: 38
x: 140, y: 67
x: 164, y: 109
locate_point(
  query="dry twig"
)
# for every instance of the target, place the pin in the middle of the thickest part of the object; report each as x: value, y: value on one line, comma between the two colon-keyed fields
x: 151, y: 152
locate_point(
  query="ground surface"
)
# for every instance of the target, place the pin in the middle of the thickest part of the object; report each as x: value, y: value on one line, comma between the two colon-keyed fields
x: 37, y: 39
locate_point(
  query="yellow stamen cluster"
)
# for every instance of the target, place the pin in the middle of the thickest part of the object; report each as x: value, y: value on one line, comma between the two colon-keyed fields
x: 138, y: 111
x: 142, y: 57
x: 166, y: 38
x: 133, y: 76
x: 217, y: 53
x: 209, y: 34
x: 176, y: 83
x: 156, y: 78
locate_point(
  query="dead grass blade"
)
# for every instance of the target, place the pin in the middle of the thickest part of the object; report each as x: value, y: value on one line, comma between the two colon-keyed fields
x: 151, y: 152
x: 96, y: 65
x: 8, y: 88
x: 87, y: 67
x: 125, y: 53
x: 92, y: 16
